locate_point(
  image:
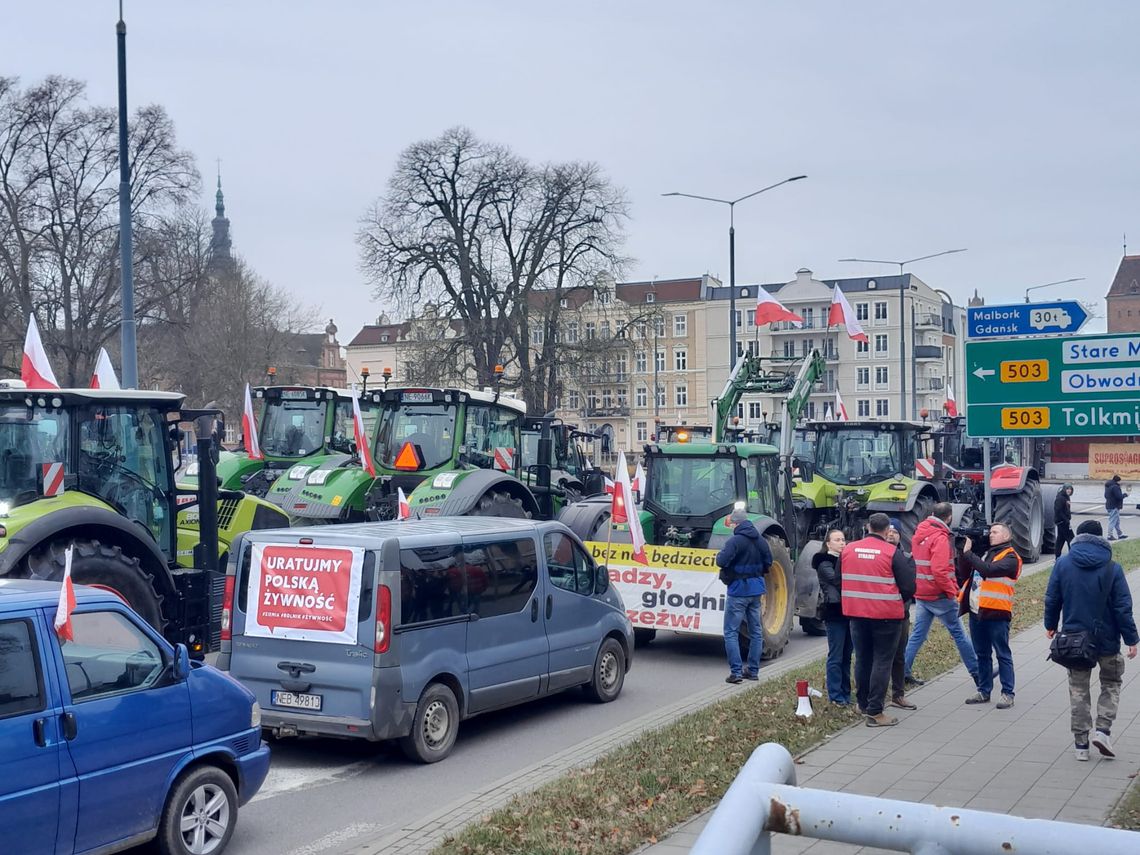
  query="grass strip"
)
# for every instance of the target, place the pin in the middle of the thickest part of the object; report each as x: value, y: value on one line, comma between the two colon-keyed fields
x: 1126, y: 814
x: 635, y: 794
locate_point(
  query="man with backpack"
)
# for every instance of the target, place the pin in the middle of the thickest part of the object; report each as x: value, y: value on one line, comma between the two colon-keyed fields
x: 1089, y: 590
x: 743, y: 561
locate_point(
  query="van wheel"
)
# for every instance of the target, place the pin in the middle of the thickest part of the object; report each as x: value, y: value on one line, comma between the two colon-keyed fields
x: 435, y: 726
x: 200, y: 813
x: 609, y: 673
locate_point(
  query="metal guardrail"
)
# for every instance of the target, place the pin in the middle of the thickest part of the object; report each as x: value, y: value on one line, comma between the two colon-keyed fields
x: 764, y: 799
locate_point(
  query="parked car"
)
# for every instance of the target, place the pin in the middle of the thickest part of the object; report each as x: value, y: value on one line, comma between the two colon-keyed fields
x: 116, y: 737
x: 398, y: 630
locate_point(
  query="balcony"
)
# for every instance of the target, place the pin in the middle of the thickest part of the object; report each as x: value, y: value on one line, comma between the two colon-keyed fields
x: 600, y: 412
x: 927, y: 352
x: 809, y: 324
x: 927, y: 321
x: 931, y: 384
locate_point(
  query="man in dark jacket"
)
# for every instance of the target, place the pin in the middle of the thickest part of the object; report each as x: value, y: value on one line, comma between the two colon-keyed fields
x: 745, y: 559
x: 988, y: 598
x: 1063, y: 518
x: 1090, y: 590
x: 1114, y: 497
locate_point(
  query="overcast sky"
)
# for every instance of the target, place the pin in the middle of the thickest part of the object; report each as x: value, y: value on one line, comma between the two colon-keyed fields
x: 1009, y: 128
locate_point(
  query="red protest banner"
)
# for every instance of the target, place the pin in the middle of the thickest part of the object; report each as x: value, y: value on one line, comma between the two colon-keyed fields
x: 304, y: 592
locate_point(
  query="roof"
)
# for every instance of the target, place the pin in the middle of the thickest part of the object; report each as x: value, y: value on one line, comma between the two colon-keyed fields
x: 36, y: 593
x: 340, y: 393
x: 709, y: 449
x: 1127, y: 280
x: 664, y: 290
x: 480, y: 395
x: 175, y: 399
x: 371, y: 334
x: 575, y: 297
x: 858, y: 284
x: 866, y: 424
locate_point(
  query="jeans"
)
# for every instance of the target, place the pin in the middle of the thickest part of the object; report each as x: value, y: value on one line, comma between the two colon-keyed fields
x: 945, y: 610
x: 875, y: 645
x: 839, y: 650
x: 1114, y: 522
x: 736, y: 610
x: 991, y: 637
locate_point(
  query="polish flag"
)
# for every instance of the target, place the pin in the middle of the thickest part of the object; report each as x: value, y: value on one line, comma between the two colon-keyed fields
x: 639, y: 479
x: 361, y: 437
x: 249, y: 429
x: 840, y: 410
x: 951, y: 405
x: 35, y: 370
x: 827, y: 416
x: 404, y: 510
x: 769, y: 310
x: 842, y: 314
x: 622, y: 510
x: 66, y: 601
x: 104, y: 376
x: 609, y: 485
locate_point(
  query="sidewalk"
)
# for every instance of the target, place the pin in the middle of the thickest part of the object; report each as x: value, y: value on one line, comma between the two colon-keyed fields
x: 1018, y: 761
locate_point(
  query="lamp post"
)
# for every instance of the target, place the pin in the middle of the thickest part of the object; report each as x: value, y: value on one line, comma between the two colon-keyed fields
x: 732, y: 203
x: 902, y: 313
x: 1050, y: 285
x: 126, y: 283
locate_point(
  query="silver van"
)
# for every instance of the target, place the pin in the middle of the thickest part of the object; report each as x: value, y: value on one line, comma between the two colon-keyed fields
x: 398, y: 630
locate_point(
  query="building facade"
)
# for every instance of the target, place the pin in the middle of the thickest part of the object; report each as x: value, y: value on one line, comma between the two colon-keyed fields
x: 1123, y: 297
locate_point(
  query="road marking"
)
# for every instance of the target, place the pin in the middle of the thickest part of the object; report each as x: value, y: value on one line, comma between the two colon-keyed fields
x: 337, y: 838
x: 284, y: 780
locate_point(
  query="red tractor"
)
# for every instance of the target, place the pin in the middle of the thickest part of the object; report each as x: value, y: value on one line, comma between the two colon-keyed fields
x: 1019, y: 499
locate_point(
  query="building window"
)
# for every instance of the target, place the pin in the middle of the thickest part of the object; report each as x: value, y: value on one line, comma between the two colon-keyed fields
x: 811, y: 410
x: 807, y: 346
x: 881, y: 345
x: 604, y: 297
x: 659, y: 360
x: 880, y: 312
x: 623, y: 398
x: 607, y: 398
x: 680, y: 325
x: 681, y: 395
x: 739, y: 317
x: 641, y: 362
x: 661, y: 395
x: 863, y: 407
x: 863, y: 378
x: 861, y: 311
x: 642, y: 432
x: 641, y: 328
x: 754, y: 411
x: 659, y: 326
x: 605, y: 330
x: 592, y: 399
x: 573, y: 400
x: 751, y: 316
x: 753, y: 347
x: 808, y: 314
x: 862, y: 349
x: 572, y: 332
x: 680, y: 359
x: 789, y: 348
x: 622, y: 369
x: 641, y: 397
x: 882, y: 407
x: 882, y: 377
x: 650, y: 297
x: 536, y: 335
x: 591, y: 331
x: 384, y: 338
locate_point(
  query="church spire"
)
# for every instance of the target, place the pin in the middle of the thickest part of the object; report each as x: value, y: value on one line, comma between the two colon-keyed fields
x: 220, y: 260
x: 219, y: 200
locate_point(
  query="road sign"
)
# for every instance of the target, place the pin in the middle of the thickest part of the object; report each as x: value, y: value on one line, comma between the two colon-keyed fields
x: 1072, y: 386
x: 1025, y: 319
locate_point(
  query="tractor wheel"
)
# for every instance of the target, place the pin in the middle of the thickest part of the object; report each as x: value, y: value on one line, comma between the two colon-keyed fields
x: 496, y: 503
x: 1024, y: 515
x: 909, y: 520
x: 1049, y: 519
x: 102, y: 566
x: 778, y: 602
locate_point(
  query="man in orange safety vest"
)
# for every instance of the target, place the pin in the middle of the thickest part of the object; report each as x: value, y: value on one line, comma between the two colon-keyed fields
x: 987, y: 597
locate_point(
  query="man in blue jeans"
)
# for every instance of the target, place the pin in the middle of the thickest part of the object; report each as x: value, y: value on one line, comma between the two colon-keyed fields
x: 743, y: 561
x: 936, y: 596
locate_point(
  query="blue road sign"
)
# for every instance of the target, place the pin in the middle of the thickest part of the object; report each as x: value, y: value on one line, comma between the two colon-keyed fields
x: 1025, y: 319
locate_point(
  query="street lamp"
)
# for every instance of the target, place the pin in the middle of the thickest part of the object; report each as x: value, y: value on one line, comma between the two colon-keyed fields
x: 126, y: 241
x: 732, y: 253
x: 1050, y: 285
x: 902, y: 312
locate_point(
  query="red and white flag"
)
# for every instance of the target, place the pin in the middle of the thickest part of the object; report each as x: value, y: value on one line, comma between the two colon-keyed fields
x: 35, y: 370
x: 827, y: 414
x: 104, y: 376
x: 403, y: 509
x: 609, y: 485
x: 361, y: 436
x: 769, y: 310
x: 249, y: 429
x: 842, y: 314
x: 840, y: 410
x: 623, y: 510
x: 639, y: 479
x: 951, y: 405
x: 66, y: 600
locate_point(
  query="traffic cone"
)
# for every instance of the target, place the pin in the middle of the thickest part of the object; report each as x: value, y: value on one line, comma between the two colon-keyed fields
x: 803, y: 702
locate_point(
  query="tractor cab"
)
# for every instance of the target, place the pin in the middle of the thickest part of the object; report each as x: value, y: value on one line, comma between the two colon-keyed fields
x: 684, y: 433
x: 862, y: 453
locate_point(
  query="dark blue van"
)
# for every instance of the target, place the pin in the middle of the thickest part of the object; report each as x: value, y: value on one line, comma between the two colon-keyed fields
x: 115, y: 737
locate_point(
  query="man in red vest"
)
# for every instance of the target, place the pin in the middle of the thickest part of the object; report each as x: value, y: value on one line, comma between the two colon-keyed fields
x: 877, y: 580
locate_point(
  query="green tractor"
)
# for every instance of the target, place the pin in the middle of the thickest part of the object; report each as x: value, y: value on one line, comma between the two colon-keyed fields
x: 297, y: 425
x: 94, y: 470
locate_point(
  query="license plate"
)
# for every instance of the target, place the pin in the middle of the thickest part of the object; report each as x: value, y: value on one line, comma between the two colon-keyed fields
x: 294, y: 394
x: 296, y: 700
x: 416, y: 397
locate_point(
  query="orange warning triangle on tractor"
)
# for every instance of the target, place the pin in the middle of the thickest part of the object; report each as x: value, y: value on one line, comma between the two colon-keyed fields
x: 407, y: 457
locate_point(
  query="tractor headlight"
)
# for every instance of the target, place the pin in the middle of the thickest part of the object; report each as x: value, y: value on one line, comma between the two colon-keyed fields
x: 318, y: 477
x: 298, y: 473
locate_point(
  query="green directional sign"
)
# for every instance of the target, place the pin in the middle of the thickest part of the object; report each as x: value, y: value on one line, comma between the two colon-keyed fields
x: 1065, y: 386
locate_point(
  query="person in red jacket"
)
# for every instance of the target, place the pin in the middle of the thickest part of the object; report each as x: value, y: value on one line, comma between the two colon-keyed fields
x: 936, y: 595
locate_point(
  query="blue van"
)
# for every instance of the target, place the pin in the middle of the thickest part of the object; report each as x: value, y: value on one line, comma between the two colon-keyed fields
x: 115, y: 738
x: 398, y: 630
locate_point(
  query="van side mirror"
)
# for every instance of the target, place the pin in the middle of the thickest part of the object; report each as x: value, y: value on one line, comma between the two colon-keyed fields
x: 601, y: 579
x: 180, y: 669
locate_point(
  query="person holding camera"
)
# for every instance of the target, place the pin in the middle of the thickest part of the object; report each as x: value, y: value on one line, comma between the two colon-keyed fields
x: 987, y: 597
x: 1089, y: 590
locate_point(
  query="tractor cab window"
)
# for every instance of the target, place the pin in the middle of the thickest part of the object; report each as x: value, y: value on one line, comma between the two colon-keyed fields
x: 491, y: 437
x: 568, y: 456
x: 861, y: 456
x: 430, y: 428
x: 123, y: 459
x: 293, y: 428
x: 692, y: 486
x: 761, y: 486
x: 29, y: 439
x: 344, y: 432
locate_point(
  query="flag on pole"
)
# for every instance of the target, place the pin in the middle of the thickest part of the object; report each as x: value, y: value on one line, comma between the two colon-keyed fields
x: 104, y: 376
x: 841, y: 314
x: 827, y: 416
x: 769, y: 310
x: 951, y: 405
x: 66, y: 600
x: 622, y: 510
x: 35, y: 370
x: 840, y: 410
x: 403, y: 509
x: 609, y: 485
x: 249, y: 429
x: 639, y: 479
x: 361, y: 436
